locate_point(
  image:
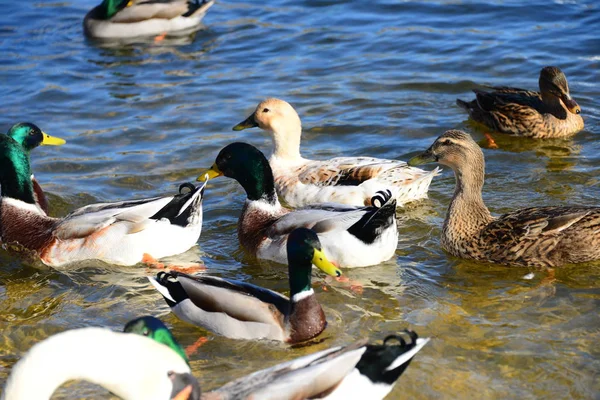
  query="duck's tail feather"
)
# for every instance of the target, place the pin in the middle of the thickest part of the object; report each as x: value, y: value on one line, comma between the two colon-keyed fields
x: 185, y: 208
x: 168, y: 286
x: 378, y: 217
x: 198, y: 8
x: 463, y: 104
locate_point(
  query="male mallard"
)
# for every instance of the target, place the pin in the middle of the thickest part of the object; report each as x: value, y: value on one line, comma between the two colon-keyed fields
x: 131, y: 366
x: 537, y: 236
x: 114, y: 19
x: 344, y: 180
x: 359, y: 370
x: 119, y: 233
x: 550, y: 113
x: 30, y: 136
x: 244, y: 311
x: 351, y: 236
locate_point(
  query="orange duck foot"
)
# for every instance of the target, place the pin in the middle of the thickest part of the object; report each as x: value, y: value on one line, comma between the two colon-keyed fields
x: 152, y: 262
x: 193, y: 348
x: 491, y: 143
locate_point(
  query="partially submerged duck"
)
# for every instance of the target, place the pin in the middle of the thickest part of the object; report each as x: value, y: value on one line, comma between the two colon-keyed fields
x: 114, y: 19
x: 351, y: 236
x: 359, y: 370
x: 549, y: 113
x: 30, y: 136
x: 132, y: 367
x: 536, y: 236
x: 345, y: 180
x: 241, y: 310
x: 123, y: 233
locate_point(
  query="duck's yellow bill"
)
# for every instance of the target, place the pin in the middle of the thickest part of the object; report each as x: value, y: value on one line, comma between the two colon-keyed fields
x: 210, y: 173
x: 321, y: 262
x: 51, y: 140
x: 184, y: 394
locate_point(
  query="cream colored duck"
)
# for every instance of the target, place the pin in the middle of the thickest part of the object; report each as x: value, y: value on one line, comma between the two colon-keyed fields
x: 356, y: 371
x: 131, y: 366
x: 535, y: 236
x: 549, y: 113
x: 124, y: 233
x: 345, y: 180
x: 351, y: 236
x: 117, y: 19
x: 241, y: 310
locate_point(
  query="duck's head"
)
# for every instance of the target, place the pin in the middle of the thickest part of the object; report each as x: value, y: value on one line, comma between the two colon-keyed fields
x: 553, y: 84
x: 280, y: 119
x: 30, y: 136
x: 247, y: 165
x: 15, y: 171
x: 453, y: 148
x: 110, y: 7
x: 154, y: 329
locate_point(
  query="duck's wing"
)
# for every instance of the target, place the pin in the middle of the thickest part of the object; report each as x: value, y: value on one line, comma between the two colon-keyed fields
x: 178, y: 209
x: 239, y: 300
x: 344, y: 171
x: 142, y: 10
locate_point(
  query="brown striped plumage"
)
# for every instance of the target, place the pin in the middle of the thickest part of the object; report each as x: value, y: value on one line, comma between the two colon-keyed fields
x: 550, y: 113
x: 536, y: 237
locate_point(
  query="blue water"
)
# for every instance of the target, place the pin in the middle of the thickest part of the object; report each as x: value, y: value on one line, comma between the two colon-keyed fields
x: 367, y: 78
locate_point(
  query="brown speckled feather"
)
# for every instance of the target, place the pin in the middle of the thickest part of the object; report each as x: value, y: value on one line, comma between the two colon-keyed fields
x: 40, y: 197
x: 31, y: 230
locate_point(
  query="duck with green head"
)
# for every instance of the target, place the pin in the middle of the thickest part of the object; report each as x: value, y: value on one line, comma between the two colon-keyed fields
x: 123, y: 233
x: 118, y: 19
x: 358, y: 370
x: 351, y: 236
x: 30, y: 136
x: 241, y: 310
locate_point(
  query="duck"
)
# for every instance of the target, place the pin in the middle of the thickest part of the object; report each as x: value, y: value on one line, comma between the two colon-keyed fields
x: 240, y: 310
x: 121, y: 19
x: 539, y: 237
x: 358, y: 370
x: 549, y: 113
x: 351, y: 236
x: 131, y: 366
x: 345, y: 180
x: 122, y: 233
x: 31, y: 136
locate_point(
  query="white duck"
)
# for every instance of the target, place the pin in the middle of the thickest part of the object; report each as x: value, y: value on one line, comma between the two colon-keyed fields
x: 346, y: 180
x: 131, y: 366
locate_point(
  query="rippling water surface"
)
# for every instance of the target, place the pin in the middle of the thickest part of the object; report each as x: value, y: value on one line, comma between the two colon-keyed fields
x: 367, y: 78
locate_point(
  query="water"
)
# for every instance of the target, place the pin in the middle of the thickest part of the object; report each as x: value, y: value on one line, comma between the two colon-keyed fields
x: 367, y: 79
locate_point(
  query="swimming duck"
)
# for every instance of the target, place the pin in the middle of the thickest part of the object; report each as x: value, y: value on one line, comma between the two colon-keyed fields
x: 549, y: 113
x: 351, y: 236
x: 131, y: 366
x: 30, y: 136
x: 244, y: 311
x: 536, y: 236
x: 122, y: 233
x: 345, y: 180
x: 114, y: 19
x: 359, y: 370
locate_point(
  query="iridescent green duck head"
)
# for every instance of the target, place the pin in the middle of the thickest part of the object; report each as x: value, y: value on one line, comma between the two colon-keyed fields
x: 156, y: 330
x: 109, y: 8
x: 15, y: 171
x: 553, y: 85
x: 30, y: 136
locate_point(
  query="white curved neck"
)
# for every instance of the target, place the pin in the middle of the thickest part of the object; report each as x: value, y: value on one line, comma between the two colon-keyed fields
x: 286, y: 139
x: 121, y: 363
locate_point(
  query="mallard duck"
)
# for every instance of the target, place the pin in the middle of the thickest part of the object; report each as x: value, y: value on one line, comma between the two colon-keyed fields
x: 345, y: 180
x: 114, y: 19
x: 155, y: 329
x: 550, y: 113
x: 351, y: 236
x: 122, y: 233
x: 131, y: 366
x: 30, y: 136
x: 536, y: 236
x: 244, y: 311
x: 359, y: 370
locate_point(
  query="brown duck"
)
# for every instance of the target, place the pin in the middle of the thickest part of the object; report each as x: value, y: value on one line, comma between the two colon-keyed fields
x: 549, y: 113
x: 537, y: 236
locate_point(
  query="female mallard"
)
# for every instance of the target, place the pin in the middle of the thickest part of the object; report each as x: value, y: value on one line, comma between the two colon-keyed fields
x: 351, y: 236
x: 30, y: 136
x: 537, y: 236
x: 550, y: 113
x: 122, y: 233
x: 114, y: 19
x: 241, y: 310
x: 131, y: 366
x: 359, y: 370
x: 345, y: 180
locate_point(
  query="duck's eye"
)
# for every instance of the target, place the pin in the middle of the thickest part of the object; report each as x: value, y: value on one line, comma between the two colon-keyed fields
x: 265, y: 110
x: 146, y: 332
x: 445, y: 142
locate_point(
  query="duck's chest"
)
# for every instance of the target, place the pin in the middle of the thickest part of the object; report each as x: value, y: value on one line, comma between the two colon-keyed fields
x: 253, y: 226
x: 461, y: 234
